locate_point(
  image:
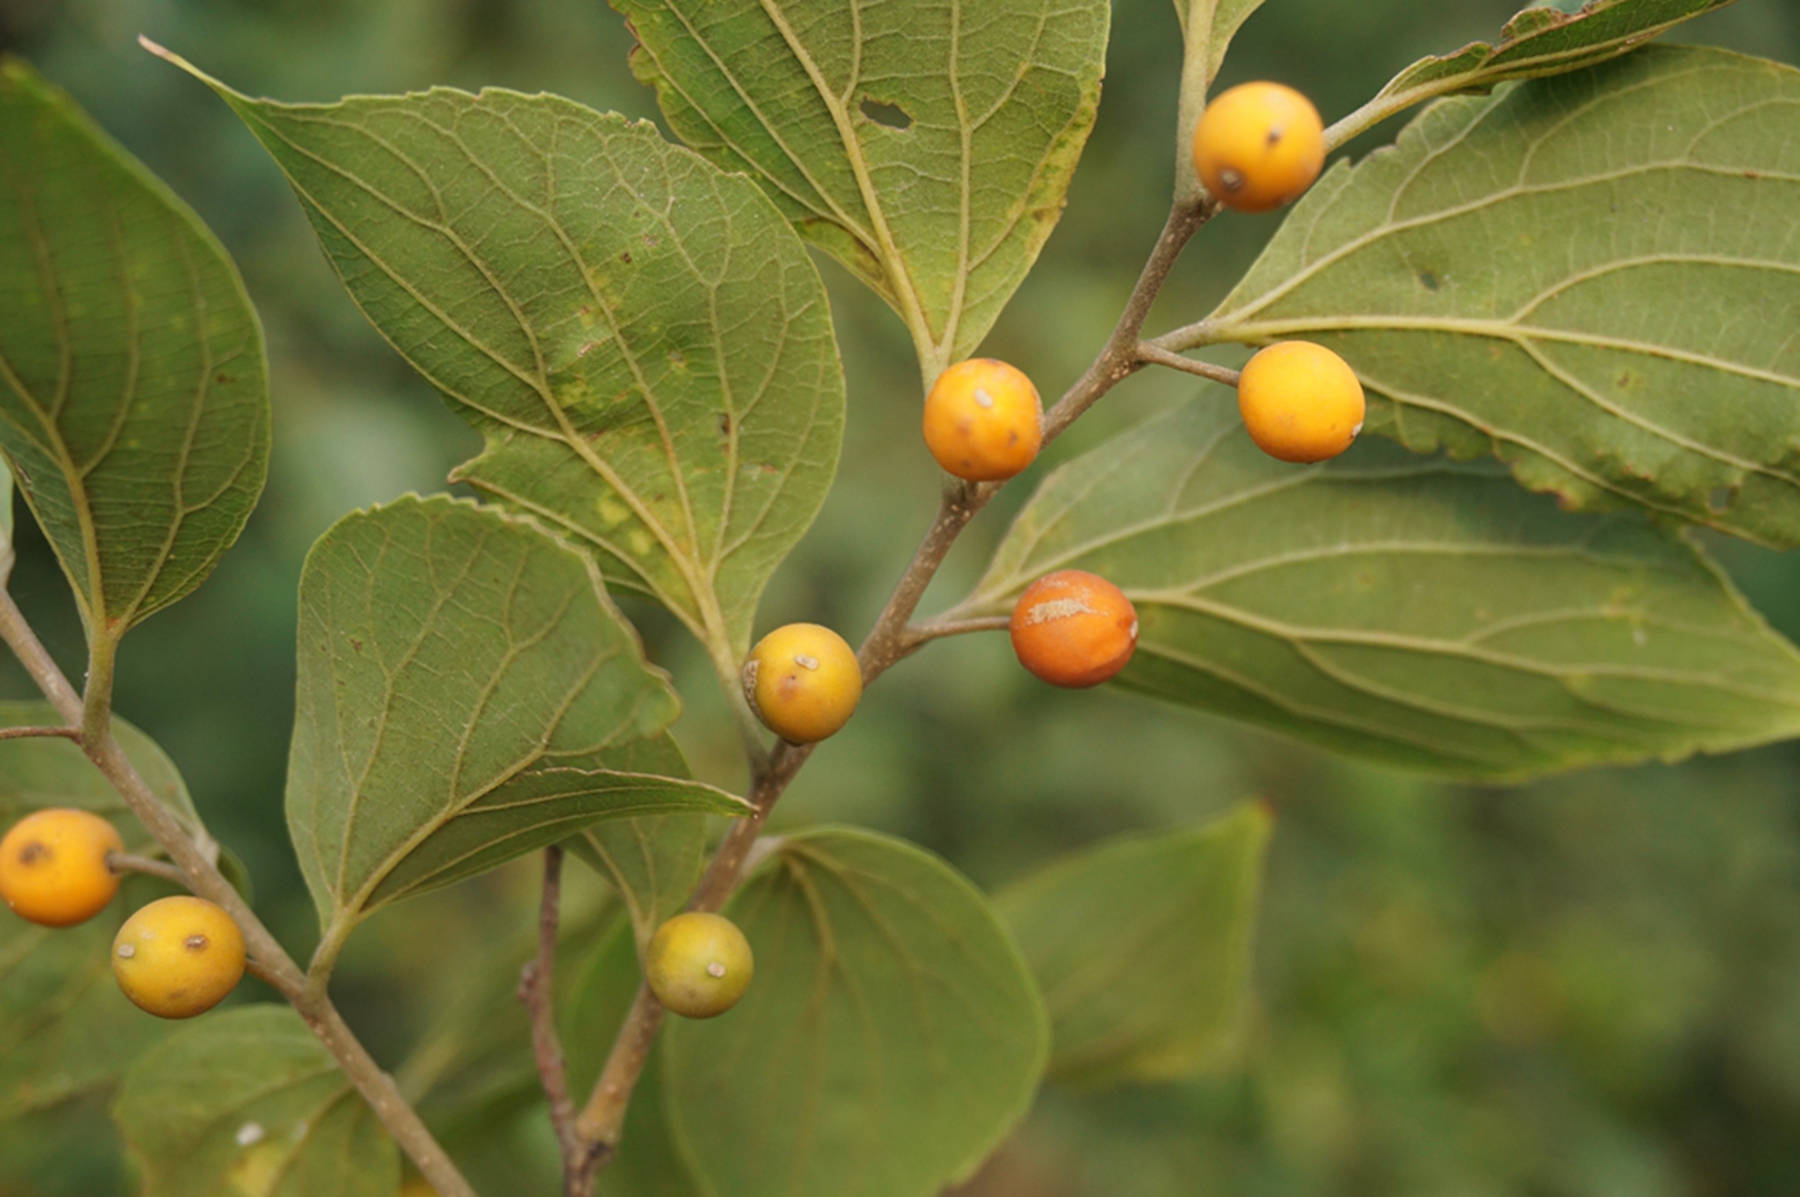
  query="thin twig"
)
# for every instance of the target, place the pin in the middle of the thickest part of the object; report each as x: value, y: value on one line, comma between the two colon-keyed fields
x: 937, y: 629
x: 124, y: 862
x: 1156, y: 355
x: 26, y: 733
x: 272, y: 963
x: 536, y: 987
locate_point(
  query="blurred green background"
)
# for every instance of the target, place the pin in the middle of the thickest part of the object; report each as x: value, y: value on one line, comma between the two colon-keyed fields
x: 1586, y: 986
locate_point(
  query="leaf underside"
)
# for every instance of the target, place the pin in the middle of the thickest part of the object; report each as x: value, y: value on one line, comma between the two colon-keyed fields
x: 1540, y: 41
x: 134, y: 407
x: 1595, y: 278
x: 1410, y: 610
x: 643, y: 344
x: 467, y: 693
x: 927, y: 147
x: 652, y: 863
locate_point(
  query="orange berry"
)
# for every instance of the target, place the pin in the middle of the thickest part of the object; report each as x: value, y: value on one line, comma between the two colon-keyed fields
x: 53, y: 866
x: 803, y: 682
x: 178, y: 957
x: 698, y: 965
x: 1073, y: 628
x: 1300, y: 401
x: 983, y: 420
x: 1257, y: 146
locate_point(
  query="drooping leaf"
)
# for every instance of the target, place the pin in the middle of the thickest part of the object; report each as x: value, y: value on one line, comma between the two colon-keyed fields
x: 134, y: 406
x: 644, y: 346
x: 1409, y: 610
x: 1216, y: 21
x: 1141, y: 946
x: 1592, y: 277
x: 889, y: 1007
x: 653, y: 863
x: 1540, y: 40
x: 467, y: 692
x: 926, y: 146
x: 248, y: 1101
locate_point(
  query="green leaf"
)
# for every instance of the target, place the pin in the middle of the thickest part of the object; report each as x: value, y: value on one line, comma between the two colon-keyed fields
x: 134, y: 408
x: 64, y: 1030
x: 467, y: 692
x: 1416, y: 611
x: 1540, y: 40
x: 1217, y: 22
x: 1593, y: 277
x: 249, y: 1101
x: 653, y: 863
x: 38, y: 772
x: 928, y: 147
x: 889, y: 1008
x: 644, y: 347
x: 1141, y: 946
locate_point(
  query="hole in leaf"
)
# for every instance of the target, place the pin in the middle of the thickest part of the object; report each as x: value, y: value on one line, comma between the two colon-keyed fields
x: 891, y: 115
x: 1428, y: 280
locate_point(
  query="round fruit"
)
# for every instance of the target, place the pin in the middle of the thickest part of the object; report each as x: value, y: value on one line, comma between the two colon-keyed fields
x: 803, y: 682
x: 53, y: 866
x: 698, y: 965
x: 1257, y: 146
x: 178, y: 957
x: 983, y: 420
x: 1073, y: 628
x: 1300, y: 401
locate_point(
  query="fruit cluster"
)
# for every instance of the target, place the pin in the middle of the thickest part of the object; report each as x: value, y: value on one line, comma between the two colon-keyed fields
x: 175, y: 957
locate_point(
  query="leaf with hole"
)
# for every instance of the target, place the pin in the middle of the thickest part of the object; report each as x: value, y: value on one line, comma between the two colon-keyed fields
x: 1141, y: 945
x: 134, y: 409
x: 1594, y: 278
x: 467, y: 693
x: 249, y: 1101
x: 1404, y: 609
x: 928, y: 147
x: 644, y: 346
x: 1540, y: 40
x: 889, y: 1007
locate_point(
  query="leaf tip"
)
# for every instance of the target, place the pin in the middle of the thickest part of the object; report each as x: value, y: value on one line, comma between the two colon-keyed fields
x: 169, y: 56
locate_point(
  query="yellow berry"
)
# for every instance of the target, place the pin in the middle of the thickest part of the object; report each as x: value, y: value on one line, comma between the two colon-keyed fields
x: 983, y: 420
x: 698, y: 965
x: 1257, y: 146
x: 53, y: 866
x: 1074, y: 628
x: 178, y: 957
x: 803, y: 682
x: 1300, y: 401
